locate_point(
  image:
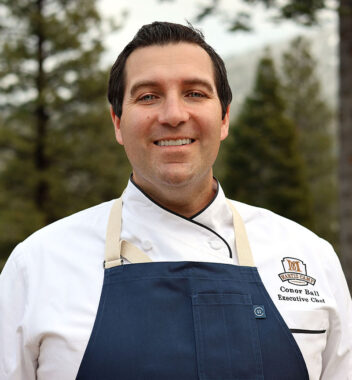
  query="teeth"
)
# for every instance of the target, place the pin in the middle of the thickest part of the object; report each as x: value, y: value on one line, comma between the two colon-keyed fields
x: 174, y: 142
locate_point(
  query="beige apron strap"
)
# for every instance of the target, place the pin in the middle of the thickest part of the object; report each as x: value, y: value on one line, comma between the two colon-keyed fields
x: 112, y: 241
x: 244, y: 252
x: 114, y: 248
x: 133, y: 254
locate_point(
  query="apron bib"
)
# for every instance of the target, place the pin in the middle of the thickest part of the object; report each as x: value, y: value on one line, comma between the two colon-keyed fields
x: 186, y: 320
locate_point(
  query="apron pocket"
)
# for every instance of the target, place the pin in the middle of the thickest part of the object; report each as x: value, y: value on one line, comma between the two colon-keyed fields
x: 227, y: 340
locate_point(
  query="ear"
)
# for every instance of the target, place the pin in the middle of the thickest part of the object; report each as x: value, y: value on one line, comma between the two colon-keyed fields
x: 117, y: 126
x: 225, y: 122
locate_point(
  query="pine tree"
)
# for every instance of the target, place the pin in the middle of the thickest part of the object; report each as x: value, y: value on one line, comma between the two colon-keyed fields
x: 313, y: 117
x: 57, y: 148
x: 262, y: 157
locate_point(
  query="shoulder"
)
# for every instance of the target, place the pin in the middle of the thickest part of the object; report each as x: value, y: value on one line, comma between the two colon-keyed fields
x: 274, y: 239
x: 270, y: 226
x: 90, y: 220
x: 69, y: 237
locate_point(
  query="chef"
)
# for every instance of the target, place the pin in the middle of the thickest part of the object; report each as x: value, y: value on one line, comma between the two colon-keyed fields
x: 172, y: 280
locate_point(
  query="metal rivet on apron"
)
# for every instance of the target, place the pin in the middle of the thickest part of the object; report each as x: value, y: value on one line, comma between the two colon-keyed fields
x: 259, y: 311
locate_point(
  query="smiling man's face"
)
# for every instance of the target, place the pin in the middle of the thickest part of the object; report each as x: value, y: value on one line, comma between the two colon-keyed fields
x: 171, y: 124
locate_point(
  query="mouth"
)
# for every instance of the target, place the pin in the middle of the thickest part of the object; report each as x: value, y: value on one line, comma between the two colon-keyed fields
x: 174, y: 142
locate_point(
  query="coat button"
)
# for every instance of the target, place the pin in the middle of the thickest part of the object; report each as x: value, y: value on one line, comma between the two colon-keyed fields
x: 215, y: 244
x: 147, y: 245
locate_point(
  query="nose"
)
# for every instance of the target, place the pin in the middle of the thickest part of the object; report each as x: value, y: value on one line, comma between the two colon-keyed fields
x: 173, y: 112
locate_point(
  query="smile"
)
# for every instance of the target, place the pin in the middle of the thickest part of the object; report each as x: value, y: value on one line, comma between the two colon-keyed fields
x: 174, y: 142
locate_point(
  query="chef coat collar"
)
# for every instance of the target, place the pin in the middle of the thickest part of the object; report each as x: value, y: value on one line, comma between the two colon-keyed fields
x: 140, y: 190
x: 216, y: 216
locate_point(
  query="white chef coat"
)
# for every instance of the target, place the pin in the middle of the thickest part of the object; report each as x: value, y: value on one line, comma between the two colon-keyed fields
x: 51, y: 284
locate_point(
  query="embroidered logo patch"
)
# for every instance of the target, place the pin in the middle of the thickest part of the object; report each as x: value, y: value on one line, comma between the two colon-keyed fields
x: 295, y: 272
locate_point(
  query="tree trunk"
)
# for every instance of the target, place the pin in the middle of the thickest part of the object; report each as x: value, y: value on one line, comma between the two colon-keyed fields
x: 345, y: 136
x: 40, y: 158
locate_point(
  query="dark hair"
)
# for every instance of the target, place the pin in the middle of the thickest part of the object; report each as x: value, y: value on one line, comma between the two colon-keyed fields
x: 162, y: 33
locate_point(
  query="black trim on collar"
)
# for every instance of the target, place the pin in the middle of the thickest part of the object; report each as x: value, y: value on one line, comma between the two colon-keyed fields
x: 184, y: 217
x: 203, y: 209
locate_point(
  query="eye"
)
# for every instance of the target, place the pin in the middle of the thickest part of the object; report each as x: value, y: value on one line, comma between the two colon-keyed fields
x: 195, y: 94
x: 147, y: 98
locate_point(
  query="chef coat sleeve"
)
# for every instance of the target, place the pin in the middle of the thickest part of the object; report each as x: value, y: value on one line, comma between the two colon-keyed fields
x: 18, y: 358
x: 337, y: 356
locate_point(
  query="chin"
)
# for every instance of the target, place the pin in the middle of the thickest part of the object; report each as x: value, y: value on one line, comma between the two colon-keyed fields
x: 176, y: 179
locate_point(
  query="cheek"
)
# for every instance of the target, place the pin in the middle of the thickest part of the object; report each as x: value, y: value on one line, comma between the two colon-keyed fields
x: 129, y: 129
x: 133, y: 137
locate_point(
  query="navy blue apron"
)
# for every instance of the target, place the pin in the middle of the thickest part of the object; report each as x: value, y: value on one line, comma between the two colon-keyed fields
x: 186, y: 320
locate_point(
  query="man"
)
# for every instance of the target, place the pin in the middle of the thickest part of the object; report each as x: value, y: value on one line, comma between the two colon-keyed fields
x: 190, y: 313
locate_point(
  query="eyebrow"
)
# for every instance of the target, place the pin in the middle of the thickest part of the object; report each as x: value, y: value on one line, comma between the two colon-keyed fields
x: 198, y: 81
x: 191, y: 81
x: 141, y: 84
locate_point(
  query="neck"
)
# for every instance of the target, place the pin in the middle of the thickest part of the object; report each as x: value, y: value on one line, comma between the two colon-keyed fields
x: 186, y: 201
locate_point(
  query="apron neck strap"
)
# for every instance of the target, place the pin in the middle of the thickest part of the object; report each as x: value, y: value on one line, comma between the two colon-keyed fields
x: 116, y: 248
x: 244, y: 252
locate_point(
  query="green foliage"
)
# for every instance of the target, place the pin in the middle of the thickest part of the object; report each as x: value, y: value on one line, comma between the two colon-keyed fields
x: 58, y: 153
x: 304, y: 12
x: 264, y: 166
x: 314, y: 120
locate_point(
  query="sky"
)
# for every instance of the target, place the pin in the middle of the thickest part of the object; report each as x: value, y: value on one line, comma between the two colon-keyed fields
x: 214, y: 28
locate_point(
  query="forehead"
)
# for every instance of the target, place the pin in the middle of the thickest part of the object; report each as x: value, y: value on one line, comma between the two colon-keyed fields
x: 176, y: 61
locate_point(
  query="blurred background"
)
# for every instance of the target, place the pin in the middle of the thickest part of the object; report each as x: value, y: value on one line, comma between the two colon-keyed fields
x: 289, y: 64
